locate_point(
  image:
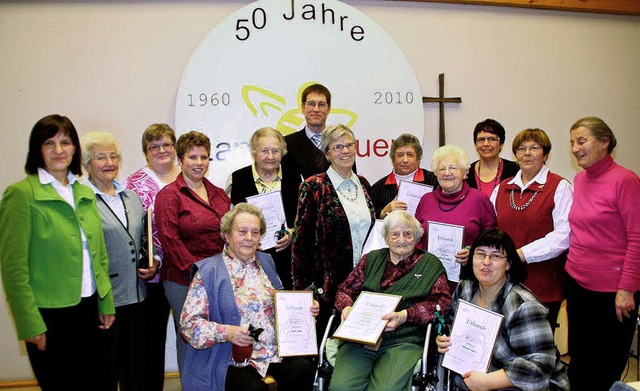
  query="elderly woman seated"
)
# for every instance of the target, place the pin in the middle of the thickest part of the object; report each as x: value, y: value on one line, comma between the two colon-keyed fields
x: 229, y: 292
x: 400, y: 269
x: 525, y: 356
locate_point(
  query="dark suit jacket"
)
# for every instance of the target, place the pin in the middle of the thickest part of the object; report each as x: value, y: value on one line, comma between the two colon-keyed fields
x: 303, y: 157
x: 509, y: 170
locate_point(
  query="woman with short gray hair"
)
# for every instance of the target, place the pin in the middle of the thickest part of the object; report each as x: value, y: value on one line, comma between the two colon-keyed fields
x: 392, y: 270
x: 122, y: 347
x: 335, y: 214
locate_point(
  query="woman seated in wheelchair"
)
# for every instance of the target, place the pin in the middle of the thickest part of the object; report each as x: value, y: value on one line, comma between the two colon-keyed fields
x: 400, y: 269
x: 525, y: 356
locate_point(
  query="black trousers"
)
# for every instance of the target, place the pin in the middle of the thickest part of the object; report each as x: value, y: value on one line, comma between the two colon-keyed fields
x: 123, y: 351
x: 156, y: 313
x: 69, y: 361
x: 292, y: 374
x: 598, y: 343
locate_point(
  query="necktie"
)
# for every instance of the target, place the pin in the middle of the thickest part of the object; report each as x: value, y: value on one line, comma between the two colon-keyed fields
x: 316, y: 140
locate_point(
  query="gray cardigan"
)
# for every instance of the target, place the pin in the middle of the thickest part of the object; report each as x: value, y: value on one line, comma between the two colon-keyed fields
x: 123, y: 247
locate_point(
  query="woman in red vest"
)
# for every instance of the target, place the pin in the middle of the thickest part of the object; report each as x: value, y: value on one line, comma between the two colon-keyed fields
x: 533, y: 208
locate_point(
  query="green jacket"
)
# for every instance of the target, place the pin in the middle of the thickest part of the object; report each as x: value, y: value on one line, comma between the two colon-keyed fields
x: 41, y: 251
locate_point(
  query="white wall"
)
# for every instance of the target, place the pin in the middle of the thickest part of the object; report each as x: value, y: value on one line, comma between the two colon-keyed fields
x: 116, y: 66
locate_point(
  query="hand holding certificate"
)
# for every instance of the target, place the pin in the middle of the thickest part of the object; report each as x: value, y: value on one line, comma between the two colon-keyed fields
x: 473, y: 335
x: 364, y: 324
x: 295, y: 326
x: 411, y: 193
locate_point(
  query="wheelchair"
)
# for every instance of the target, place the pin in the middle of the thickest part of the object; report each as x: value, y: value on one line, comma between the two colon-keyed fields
x: 427, y: 374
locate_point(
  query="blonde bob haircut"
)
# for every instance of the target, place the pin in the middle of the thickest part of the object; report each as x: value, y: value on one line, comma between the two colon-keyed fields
x: 332, y: 133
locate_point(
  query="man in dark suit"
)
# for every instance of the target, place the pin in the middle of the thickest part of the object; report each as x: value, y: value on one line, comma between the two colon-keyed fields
x: 304, y: 155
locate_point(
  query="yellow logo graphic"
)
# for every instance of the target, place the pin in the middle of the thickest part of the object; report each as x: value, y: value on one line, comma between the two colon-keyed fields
x: 261, y: 101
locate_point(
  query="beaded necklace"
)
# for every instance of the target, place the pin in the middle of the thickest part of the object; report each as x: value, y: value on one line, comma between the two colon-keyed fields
x: 512, y: 201
x: 348, y: 195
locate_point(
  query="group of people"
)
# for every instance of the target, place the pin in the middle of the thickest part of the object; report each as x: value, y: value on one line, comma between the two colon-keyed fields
x: 76, y: 266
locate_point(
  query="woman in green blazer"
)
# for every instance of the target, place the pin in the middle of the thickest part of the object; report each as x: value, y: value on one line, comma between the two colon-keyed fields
x: 53, y: 260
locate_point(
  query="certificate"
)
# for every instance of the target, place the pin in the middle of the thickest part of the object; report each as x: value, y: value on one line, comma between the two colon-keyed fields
x: 273, y: 211
x: 473, y: 335
x: 411, y: 193
x: 445, y: 240
x: 295, y: 326
x: 363, y: 324
x: 374, y: 241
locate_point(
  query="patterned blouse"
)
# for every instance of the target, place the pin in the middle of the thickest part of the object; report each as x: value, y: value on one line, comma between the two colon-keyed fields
x: 254, y: 298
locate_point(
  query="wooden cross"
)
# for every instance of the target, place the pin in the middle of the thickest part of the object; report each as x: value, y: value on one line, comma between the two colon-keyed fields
x: 441, y: 100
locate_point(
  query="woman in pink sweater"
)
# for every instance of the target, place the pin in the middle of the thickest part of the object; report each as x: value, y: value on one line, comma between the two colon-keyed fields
x: 603, y: 261
x: 454, y: 202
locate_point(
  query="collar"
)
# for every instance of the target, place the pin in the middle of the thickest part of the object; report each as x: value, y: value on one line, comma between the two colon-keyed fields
x: 309, y: 132
x: 236, y: 264
x: 116, y: 184
x: 46, y: 178
x: 257, y: 178
x: 537, y: 183
x: 600, y: 167
x: 336, y: 179
x: 453, y: 198
x: 418, y: 176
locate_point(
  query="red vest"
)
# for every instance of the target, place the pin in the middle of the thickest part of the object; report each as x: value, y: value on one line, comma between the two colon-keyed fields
x: 546, y: 278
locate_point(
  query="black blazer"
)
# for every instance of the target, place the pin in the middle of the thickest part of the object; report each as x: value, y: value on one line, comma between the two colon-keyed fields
x: 509, y: 170
x: 303, y: 157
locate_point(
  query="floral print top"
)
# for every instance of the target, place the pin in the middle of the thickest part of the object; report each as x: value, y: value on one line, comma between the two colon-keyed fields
x: 254, y: 298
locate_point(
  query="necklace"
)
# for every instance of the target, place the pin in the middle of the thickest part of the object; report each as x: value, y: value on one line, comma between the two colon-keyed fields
x: 349, y: 196
x: 512, y: 201
x: 496, y: 180
x: 159, y: 175
x: 453, y: 207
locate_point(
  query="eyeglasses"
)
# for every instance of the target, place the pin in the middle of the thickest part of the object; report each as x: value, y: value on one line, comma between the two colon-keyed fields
x: 340, y: 147
x: 532, y: 149
x: 156, y: 147
x: 494, y: 257
x: 103, y: 158
x: 265, y: 152
x: 443, y: 170
x: 312, y: 105
x: 405, y: 234
x: 481, y: 140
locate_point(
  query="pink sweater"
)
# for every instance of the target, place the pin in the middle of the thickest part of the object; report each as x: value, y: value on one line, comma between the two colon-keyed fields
x: 604, y: 249
x: 469, y: 208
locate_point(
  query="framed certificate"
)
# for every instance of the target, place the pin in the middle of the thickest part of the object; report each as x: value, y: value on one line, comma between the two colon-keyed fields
x: 445, y: 240
x: 273, y: 211
x: 364, y: 324
x: 473, y: 336
x: 411, y: 193
x: 295, y: 326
